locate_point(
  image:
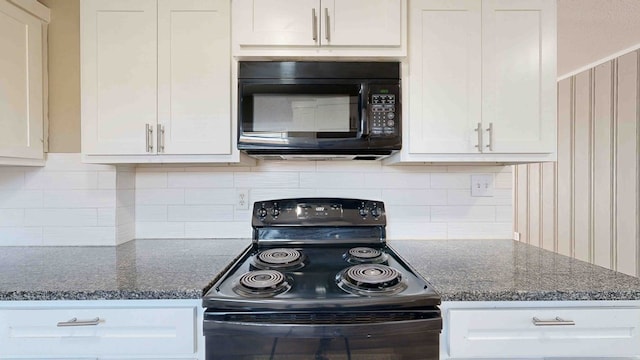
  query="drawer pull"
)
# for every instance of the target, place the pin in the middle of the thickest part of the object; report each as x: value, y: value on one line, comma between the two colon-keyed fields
x: 554, y: 322
x: 76, y: 322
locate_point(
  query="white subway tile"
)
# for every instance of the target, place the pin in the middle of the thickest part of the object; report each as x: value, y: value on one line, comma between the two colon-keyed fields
x: 480, y: 230
x: 125, y: 215
x: 365, y: 194
x: 78, y: 198
x: 406, y: 168
x: 61, y: 217
x: 199, y: 180
x: 159, y: 168
x: 210, y: 196
x: 349, y: 166
x: 11, y: 179
x: 504, y: 213
x: 414, y: 197
x: 287, y: 166
x: 125, y: 232
x: 267, y: 180
x: 57, y: 180
x: 332, y: 180
x: 20, y: 199
x: 397, y: 181
x: 402, y: 213
x: 151, y: 213
x: 11, y: 217
x: 415, y: 231
x: 159, y: 230
x: 476, y: 168
x: 76, y: 236
x: 270, y: 194
x: 107, y: 216
x: 72, y: 162
x: 106, y: 180
x: 125, y: 179
x: 159, y: 196
x: 463, y: 213
x: 20, y: 236
x: 188, y: 213
x: 450, y: 181
x: 504, y: 180
x: 463, y: 197
x: 220, y: 168
x: 151, y: 180
x: 125, y: 198
x: 235, y: 230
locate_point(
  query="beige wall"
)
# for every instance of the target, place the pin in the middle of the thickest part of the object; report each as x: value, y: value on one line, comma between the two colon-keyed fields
x: 64, y: 75
x: 587, y: 205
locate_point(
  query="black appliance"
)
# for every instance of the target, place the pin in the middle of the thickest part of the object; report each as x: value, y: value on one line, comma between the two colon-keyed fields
x: 312, y: 110
x: 320, y: 282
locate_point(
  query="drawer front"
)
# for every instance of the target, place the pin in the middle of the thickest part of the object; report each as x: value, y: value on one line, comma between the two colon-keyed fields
x: 509, y: 333
x: 121, y: 331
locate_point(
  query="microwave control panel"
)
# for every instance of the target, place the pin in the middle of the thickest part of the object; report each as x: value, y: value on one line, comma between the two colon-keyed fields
x: 383, y: 115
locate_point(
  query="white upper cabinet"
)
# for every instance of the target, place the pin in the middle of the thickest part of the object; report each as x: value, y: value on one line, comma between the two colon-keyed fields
x: 156, y: 80
x: 519, y: 75
x: 319, y: 27
x: 481, y: 81
x: 22, y: 91
x: 119, y: 47
x: 194, y: 76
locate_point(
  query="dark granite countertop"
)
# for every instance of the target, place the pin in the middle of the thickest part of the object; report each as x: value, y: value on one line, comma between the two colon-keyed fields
x: 461, y: 270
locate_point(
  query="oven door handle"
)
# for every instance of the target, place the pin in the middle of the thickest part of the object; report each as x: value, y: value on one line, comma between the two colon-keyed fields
x: 378, y: 329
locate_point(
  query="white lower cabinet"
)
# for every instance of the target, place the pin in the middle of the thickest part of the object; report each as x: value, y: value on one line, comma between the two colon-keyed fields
x: 123, y: 330
x: 541, y: 330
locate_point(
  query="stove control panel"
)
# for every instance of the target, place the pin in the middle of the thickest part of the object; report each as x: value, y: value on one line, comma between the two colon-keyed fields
x: 318, y: 212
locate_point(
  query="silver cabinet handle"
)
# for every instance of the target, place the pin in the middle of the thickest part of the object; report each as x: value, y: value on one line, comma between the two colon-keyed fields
x: 479, y: 131
x: 553, y: 322
x: 160, y: 138
x: 314, y: 24
x: 76, y: 322
x: 490, y: 130
x: 326, y: 24
x: 149, y: 138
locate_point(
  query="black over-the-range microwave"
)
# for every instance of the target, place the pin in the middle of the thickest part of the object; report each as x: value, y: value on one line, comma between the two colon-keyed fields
x: 319, y: 110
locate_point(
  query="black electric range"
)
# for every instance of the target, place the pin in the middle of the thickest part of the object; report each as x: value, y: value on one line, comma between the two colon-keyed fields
x: 319, y: 281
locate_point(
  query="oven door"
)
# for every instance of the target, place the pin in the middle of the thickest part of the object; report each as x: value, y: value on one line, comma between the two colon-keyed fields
x: 388, y: 335
x: 283, y: 114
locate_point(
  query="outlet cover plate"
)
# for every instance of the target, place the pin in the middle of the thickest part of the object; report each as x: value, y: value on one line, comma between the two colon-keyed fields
x: 482, y: 185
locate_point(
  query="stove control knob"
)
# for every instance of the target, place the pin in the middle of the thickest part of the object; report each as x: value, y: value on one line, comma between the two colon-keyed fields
x: 375, y: 211
x: 363, y: 211
x: 275, y: 212
x: 262, y: 213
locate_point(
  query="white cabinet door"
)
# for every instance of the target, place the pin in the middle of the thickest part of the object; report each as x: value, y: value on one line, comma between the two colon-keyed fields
x: 361, y: 23
x: 194, y: 77
x: 119, y: 75
x: 445, y: 76
x: 21, y: 84
x: 276, y: 22
x: 519, y: 71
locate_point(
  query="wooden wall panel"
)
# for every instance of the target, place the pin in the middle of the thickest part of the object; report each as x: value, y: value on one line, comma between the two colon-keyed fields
x: 587, y: 204
x: 626, y: 163
x: 581, y: 170
x: 603, y: 162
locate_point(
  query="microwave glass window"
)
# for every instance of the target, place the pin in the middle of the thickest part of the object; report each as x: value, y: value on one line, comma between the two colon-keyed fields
x: 288, y: 113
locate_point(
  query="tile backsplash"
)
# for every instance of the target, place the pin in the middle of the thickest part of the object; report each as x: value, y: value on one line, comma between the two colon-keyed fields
x: 71, y: 203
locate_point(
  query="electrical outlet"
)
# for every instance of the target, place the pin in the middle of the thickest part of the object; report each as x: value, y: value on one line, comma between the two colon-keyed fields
x: 516, y: 236
x: 242, y: 199
x: 482, y: 185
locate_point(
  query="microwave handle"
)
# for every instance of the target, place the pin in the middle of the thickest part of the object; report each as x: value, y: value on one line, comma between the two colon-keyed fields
x: 365, y: 102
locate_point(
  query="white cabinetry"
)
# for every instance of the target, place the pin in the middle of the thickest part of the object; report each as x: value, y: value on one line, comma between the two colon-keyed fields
x: 138, y: 329
x: 481, y: 81
x: 22, y: 82
x: 319, y: 27
x: 156, y: 81
x: 537, y: 330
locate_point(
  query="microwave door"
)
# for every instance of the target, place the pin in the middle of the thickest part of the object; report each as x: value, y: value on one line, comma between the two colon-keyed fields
x: 281, y: 113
